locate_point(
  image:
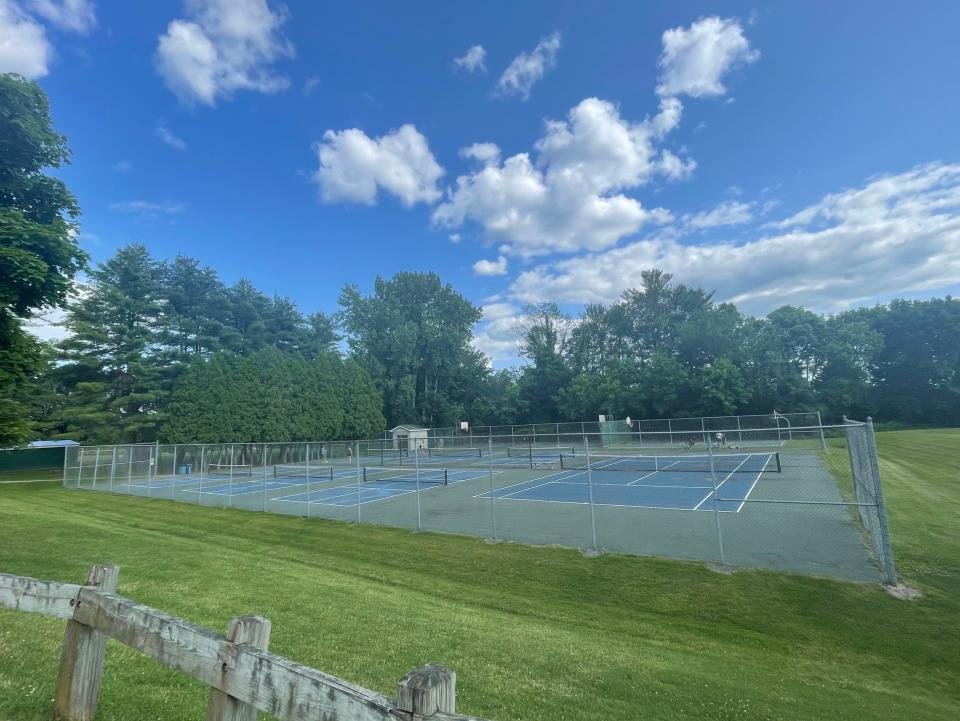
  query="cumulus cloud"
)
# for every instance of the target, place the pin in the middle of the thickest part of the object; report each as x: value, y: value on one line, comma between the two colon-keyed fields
x: 527, y: 68
x: 485, y: 153
x: 166, y: 136
x: 569, y: 197
x: 695, y: 59
x: 491, y: 267
x: 726, y: 213
x: 472, y: 60
x: 24, y: 47
x: 896, y: 234
x: 498, y: 336
x: 223, y: 46
x: 74, y: 15
x: 353, y: 166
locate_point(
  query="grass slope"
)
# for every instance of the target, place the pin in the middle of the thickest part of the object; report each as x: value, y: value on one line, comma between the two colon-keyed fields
x: 532, y: 633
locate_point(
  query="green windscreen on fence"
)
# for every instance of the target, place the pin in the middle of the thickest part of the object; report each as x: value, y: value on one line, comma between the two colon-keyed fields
x: 32, y: 459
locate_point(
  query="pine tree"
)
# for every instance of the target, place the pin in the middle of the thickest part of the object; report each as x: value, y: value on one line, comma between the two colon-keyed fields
x: 110, y: 372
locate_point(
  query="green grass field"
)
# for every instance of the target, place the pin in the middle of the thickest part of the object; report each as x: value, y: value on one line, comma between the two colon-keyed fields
x: 533, y: 633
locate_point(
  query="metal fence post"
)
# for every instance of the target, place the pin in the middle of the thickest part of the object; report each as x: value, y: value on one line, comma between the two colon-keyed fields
x: 493, y: 496
x: 716, y: 497
x: 889, y: 568
x: 593, y: 518
x: 823, y: 440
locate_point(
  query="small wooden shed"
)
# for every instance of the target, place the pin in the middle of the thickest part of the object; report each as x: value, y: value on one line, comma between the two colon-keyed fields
x: 409, y: 437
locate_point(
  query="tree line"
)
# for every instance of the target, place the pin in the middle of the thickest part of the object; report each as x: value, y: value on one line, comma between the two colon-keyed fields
x: 163, y: 349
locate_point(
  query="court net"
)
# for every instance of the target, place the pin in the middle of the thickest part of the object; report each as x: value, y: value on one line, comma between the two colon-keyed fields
x: 229, y: 469
x: 721, y: 463
x: 423, y: 477
x: 461, y: 452
x: 527, y: 451
x: 307, y: 473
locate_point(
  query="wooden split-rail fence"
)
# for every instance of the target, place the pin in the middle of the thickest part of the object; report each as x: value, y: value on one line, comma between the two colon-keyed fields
x: 242, y: 675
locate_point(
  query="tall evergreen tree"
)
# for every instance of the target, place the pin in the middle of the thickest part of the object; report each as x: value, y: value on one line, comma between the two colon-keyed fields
x: 109, y: 361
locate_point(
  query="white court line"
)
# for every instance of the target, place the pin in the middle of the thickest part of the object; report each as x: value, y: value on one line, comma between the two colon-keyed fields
x: 727, y: 478
x: 606, y: 505
x: 621, y: 485
x: 753, y: 485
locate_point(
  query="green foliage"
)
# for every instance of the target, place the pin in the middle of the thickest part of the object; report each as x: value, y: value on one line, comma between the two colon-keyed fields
x: 39, y: 255
x: 412, y: 335
x: 269, y: 395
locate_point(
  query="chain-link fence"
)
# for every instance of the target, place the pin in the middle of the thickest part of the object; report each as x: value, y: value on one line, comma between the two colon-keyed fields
x: 804, y: 498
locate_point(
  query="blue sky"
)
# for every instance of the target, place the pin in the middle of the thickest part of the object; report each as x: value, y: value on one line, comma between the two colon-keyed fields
x: 800, y: 153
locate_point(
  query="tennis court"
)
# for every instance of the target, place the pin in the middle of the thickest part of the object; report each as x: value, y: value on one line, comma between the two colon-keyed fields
x: 669, y: 482
x: 768, y: 498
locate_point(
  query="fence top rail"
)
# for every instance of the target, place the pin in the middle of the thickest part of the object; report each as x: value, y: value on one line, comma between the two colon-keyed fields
x: 591, y: 434
x: 271, y: 683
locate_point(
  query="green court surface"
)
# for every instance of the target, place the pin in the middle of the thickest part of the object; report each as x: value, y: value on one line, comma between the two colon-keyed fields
x: 774, y: 507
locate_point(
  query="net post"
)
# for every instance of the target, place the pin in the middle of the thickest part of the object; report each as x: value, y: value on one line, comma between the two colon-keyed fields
x: 716, y: 497
x: 889, y: 568
x: 823, y: 440
x: 493, y: 497
x: 593, y: 517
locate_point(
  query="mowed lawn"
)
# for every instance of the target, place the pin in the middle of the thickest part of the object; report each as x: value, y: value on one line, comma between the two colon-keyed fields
x: 533, y: 633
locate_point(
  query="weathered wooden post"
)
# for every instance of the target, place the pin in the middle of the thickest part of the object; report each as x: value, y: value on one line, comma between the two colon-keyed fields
x: 81, y: 663
x: 244, y: 631
x: 428, y: 690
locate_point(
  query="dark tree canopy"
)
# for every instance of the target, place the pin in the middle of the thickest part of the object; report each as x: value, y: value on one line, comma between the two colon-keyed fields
x: 413, y: 336
x: 39, y: 254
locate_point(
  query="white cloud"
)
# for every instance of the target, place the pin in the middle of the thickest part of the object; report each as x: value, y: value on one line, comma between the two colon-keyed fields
x: 486, y: 153
x: 353, y: 166
x: 726, y: 213
x: 472, y: 60
x: 497, y: 336
x: 491, y: 267
x: 224, y: 46
x: 527, y: 68
x: 695, y: 59
x: 75, y: 15
x: 454, y: 237
x: 309, y: 85
x: 896, y: 234
x: 148, y: 209
x: 48, y: 326
x: 24, y: 47
x: 569, y: 198
x: 166, y: 136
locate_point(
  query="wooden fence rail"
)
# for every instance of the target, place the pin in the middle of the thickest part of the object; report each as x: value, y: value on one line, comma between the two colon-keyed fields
x: 243, y: 676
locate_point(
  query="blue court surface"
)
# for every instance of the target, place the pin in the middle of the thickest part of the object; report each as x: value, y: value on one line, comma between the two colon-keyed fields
x: 614, y: 483
x: 377, y: 490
